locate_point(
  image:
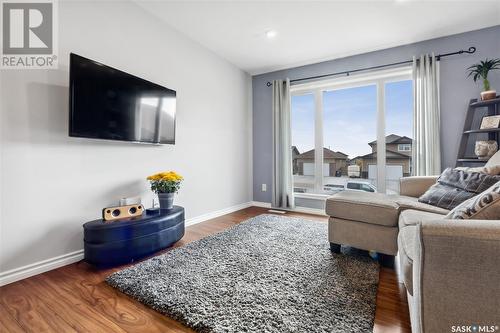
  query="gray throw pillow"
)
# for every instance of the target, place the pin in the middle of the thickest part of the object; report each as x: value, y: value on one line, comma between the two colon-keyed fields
x: 484, y: 206
x: 456, y: 186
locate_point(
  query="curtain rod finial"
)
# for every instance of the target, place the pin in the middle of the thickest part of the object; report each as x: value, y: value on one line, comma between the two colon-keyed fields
x: 269, y: 84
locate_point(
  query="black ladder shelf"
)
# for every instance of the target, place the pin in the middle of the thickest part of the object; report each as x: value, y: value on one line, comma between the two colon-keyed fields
x: 493, y: 108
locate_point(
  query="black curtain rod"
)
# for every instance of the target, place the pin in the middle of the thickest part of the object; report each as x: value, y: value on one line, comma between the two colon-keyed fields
x: 471, y: 50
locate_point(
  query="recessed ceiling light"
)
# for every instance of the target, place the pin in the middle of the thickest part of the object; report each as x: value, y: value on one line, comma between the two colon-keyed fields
x: 271, y: 33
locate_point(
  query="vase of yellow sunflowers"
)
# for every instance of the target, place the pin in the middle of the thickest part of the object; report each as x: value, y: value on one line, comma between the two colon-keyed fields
x: 165, y: 185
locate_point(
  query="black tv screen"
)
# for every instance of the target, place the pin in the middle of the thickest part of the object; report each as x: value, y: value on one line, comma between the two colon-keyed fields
x: 106, y: 103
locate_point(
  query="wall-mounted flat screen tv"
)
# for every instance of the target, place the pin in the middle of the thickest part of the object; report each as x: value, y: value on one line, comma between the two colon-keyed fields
x: 106, y: 103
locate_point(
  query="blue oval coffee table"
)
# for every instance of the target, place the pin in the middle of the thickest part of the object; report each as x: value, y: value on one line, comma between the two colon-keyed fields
x: 112, y: 243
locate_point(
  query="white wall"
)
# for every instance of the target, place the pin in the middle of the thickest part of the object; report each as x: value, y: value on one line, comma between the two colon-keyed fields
x: 51, y: 184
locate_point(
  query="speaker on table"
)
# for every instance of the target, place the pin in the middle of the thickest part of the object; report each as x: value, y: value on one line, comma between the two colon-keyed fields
x: 120, y: 212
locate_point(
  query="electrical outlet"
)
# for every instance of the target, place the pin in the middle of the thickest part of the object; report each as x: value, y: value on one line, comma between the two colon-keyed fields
x: 264, y: 187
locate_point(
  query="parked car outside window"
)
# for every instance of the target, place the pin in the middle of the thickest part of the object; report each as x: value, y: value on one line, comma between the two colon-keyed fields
x: 361, y: 186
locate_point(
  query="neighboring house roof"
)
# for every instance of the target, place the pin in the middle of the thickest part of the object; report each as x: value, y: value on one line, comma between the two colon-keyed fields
x: 389, y: 154
x: 295, y: 150
x: 327, y: 153
x: 394, y: 139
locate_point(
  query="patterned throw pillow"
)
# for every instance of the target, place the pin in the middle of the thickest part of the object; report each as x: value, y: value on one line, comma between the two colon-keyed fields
x: 456, y: 186
x: 491, y: 170
x: 485, y: 206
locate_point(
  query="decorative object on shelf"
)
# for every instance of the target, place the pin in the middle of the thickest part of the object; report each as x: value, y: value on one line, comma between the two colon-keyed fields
x: 481, y: 70
x: 486, y: 109
x: 121, y: 212
x: 485, y: 149
x: 130, y: 201
x: 165, y: 185
x: 489, y: 122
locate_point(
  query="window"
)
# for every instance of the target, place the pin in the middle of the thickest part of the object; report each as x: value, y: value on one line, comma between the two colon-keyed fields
x: 399, y: 128
x: 338, y: 127
x: 349, y: 125
x: 367, y: 188
x: 360, y: 186
x: 404, y: 147
x: 354, y: 186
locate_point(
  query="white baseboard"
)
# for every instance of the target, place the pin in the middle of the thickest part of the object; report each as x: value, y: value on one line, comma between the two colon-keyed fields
x: 24, y: 272
x: 261, y: 204
x: 217, y: 213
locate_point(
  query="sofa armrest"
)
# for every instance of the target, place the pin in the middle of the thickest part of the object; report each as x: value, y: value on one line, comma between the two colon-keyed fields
x: 456, y: 274
x: 416, y: 186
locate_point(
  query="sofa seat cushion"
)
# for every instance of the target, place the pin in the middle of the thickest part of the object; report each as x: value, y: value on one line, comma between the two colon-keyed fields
x: 374, y: 208
x: 405, y: 203
x: 406, y: 246
x: 412, y: 217
x: 365, y: 236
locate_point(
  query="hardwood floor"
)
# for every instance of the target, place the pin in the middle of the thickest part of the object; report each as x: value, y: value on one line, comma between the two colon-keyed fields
x: 75, y: 298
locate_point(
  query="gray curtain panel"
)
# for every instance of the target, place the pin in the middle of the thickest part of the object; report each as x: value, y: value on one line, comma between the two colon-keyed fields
x: 282, y: 146
x: 426, y: 152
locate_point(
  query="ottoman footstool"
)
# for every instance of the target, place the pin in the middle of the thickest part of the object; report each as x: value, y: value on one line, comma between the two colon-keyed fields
x: 367, y: 221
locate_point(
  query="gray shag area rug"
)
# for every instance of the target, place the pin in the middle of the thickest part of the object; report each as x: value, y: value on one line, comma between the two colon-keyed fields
x: 267, y: 274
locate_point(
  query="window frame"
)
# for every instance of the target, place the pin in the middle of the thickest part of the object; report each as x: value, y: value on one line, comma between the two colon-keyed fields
x: 408, y: 145
x: 378, y: 78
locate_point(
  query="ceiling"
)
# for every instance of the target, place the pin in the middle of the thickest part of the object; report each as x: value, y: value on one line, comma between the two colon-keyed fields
x: 313, y: 31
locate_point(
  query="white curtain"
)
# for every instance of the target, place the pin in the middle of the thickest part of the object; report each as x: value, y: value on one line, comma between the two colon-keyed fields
x: 426, y: 150
x: 282, y: 146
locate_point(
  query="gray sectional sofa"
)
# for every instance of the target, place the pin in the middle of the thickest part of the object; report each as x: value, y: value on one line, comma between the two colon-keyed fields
x: 450, y: 268
x: 369, y: 221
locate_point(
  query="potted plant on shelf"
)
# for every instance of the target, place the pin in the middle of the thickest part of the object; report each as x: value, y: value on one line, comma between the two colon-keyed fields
x: 481, y: 70
x: 165, y: 185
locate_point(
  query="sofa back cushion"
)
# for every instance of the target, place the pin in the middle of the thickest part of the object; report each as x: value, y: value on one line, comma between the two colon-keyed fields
x: 456, y: 186
x: 493, y: 170
x: 484, y: 206
x: 494, y: 160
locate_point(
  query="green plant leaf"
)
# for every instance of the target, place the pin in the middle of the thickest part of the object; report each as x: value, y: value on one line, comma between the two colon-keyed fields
x: 482, y: 69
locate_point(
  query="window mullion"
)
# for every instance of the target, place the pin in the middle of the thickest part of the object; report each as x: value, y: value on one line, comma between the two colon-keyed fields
x: 381, y: 149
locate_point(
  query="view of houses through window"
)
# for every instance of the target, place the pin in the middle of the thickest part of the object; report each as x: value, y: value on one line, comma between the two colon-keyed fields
x: 345, y: 126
